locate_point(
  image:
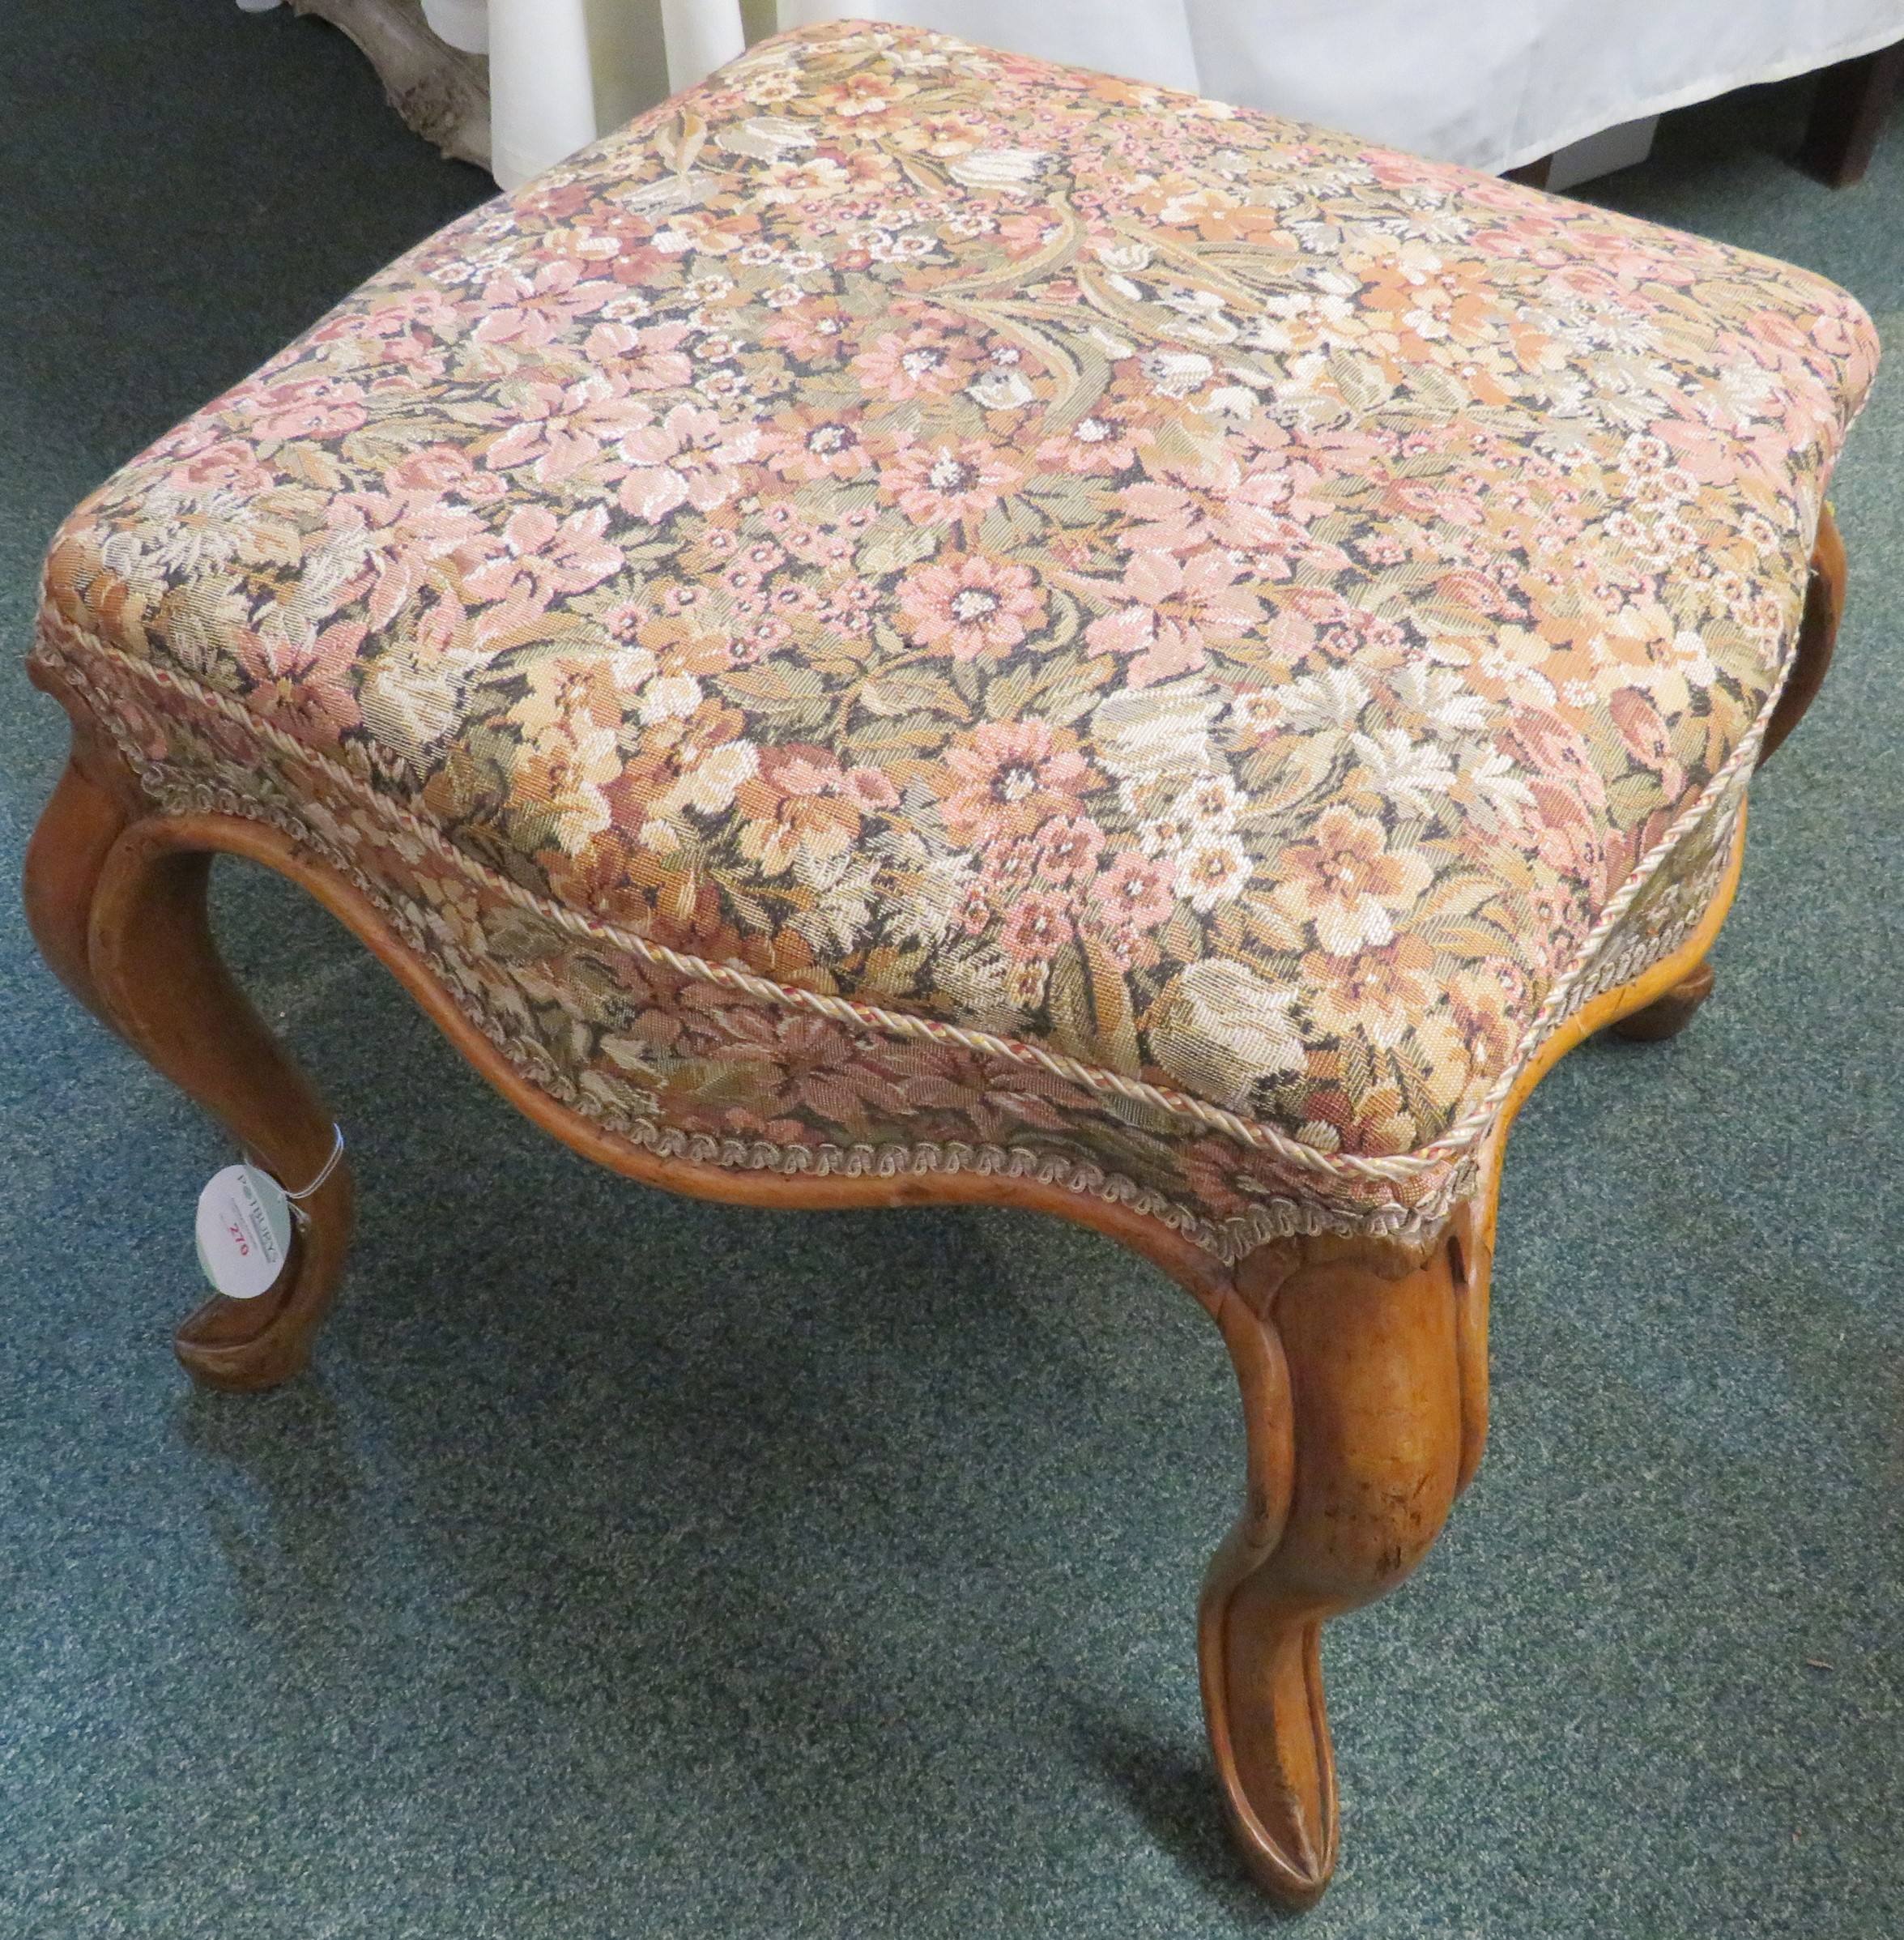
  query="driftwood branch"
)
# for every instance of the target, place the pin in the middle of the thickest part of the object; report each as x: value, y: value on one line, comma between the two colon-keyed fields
x: 441, y: 92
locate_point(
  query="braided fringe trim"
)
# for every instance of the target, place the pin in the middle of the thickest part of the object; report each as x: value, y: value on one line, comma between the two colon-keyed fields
x: 1566, y: 995
x: 1228, y: 1240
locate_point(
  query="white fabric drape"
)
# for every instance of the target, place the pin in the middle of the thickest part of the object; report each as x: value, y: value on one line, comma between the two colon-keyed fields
x: 1491, y: 82
x: 563, y: 71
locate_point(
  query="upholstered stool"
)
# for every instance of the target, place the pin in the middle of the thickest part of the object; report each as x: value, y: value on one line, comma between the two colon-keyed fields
x: 919, y: 625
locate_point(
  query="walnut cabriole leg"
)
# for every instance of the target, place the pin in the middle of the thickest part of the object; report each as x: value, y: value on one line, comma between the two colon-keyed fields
x: 159, y: 975
x: 1363, y: 1377
x: 1817, y: 637
x: 117, y: 906
x: 84, y: 817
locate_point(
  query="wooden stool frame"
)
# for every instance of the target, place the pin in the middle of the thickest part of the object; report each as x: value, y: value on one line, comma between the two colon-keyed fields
x: 1362, y: 1363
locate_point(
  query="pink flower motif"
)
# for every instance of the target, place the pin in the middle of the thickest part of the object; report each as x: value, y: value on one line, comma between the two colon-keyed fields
x: 1137, y: 892
x: 766, y: 635
x: 1094, y: 444
x: 1347, y: 883
x: 1037, y: 928
x: 974, y: 609
x: 1183, y: 596
x: 1648, y: 739
x: 1160, y: 648
x: 868, y: 789
x: 316, y: 408
x: 426, y: 309
x: 1067, y: 848
x: 688, y: 458
x: 1025, y: 235
x: 811, y: 443
x: 528, y: 311
x: 1013, y: 777
x: 850, y: 607
x: 919, y: 363
x: 995, y: 1098
x: 812, y: 331
x: 1567, y: 838
x: 645, y: 360
x: 974, y: 915
x: 566, y: 556
x: 302, y: 683
x: 936, y: 485
x: 439, y: 471
x: 791, y: 1061
x: 232, y: 466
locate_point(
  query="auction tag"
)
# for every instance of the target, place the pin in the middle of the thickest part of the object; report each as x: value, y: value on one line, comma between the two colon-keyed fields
x: 244, y: 1231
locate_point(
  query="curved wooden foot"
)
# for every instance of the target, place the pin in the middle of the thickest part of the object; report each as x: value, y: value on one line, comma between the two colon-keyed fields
x: 159, y: 976
x: 1351, y: 1361
x: 117, y: 908
x: 1668, y: 1016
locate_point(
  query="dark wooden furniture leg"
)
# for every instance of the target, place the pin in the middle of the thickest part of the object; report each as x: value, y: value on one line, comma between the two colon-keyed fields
x: 1818, y: 636
x: 1668, y: 1016
x: 1853, y: 102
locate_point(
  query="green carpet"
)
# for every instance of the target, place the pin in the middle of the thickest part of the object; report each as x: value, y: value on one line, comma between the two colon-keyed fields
x: 630, y: 1565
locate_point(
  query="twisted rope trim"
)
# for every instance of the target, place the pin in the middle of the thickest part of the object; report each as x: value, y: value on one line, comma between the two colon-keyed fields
x: 1228, y: 1240
x: 1565, y: 995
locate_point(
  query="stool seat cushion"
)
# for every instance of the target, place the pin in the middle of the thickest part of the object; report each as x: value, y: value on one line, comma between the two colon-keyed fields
x: 918, y: 608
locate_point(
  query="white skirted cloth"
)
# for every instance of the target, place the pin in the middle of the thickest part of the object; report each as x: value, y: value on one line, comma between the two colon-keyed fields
x: 1491, y: 82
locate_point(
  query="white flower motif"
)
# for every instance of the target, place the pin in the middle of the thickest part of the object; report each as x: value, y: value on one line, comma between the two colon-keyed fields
x: 1002, y: 390
x: 1495, y: 782
x: 766, y: 138
x: 1747, y: 386
x: 1128, y: 257
x: 411, y: 699
x: 672, y: 699
x: 710, y: 785
x: 1409, y: 773
x: 998, y: 168
x: 1207, y: 323
x: 1689, y: 656
x: 1220, y: 1028
x: 667, y: 196
x: 1178, y: 373
x: 1333, y: 698
x: 1210, y: 805
x: 1440, y: 700
x: 1211, y: 869
x: 1164, y: 838
x: 1145, y: 734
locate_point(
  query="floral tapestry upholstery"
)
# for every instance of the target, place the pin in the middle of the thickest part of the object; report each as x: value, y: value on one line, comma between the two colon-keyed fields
x: 918, y: 609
